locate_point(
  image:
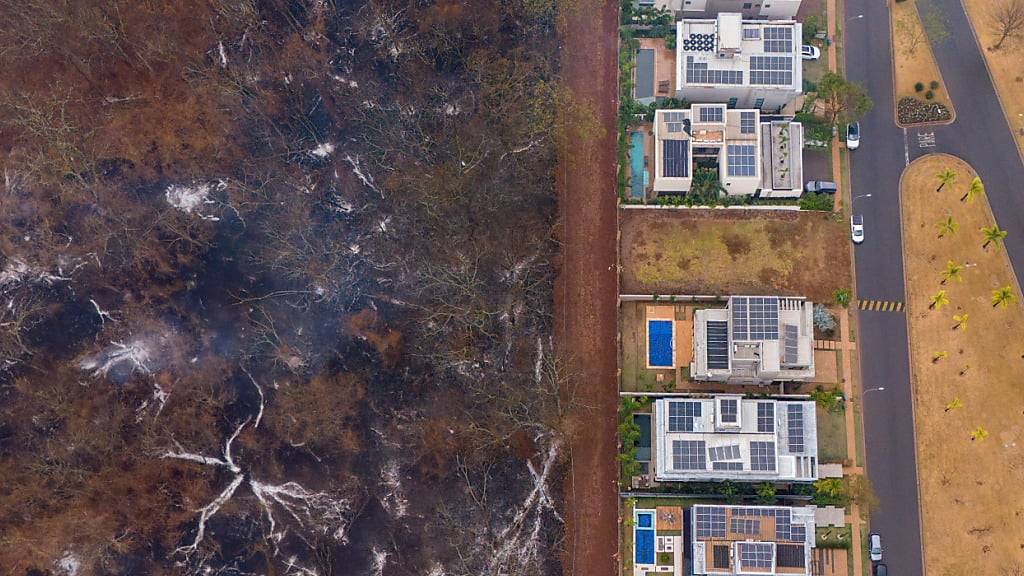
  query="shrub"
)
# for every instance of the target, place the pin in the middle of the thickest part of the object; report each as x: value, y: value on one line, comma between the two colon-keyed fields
x: 830, y: 492
x: 829, y: 400
x: 919, y: 86
x: 812, y: 201
x: 823, y: 319
x: 929, y: 95
x: 766, y: 493
x: 934, y: 84
x: 842, y: 296
x: 810, y: 28
x: 910, y: 110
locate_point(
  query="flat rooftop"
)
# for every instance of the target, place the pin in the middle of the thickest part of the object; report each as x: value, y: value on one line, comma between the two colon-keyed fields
x: 729, y: 51
x: 752, y: 539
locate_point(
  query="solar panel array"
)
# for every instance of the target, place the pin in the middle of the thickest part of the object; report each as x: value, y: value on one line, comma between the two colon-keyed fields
x: 747, y: 120
x: 681, y: 415
x: 795, y: 425
x: 762, y: 456
x: 790, y: 337
x: 698, y: 73
x: 728, y: 410
x: 771, y: 70
x: 742, y: 160
x: 744, y: 526
x: 717, y: 337
x: 755, y: 554
x: 789, y: 556
x: 730, y: 452
x: 674, y: 121
x: 766, y: 417
x: 751, y: 33
x: 778, y: 39
x: 727, y: 466
x: 688, y: 455
x: 710, y: 114
x: 710, y: 522
x: 755, y: 318
x: 720, y: 556
x: 676, y: 158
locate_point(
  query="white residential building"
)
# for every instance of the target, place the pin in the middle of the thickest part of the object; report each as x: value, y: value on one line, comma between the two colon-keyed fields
x: 762, y: 540
x: 744, y: 63
x: 752, y: 157
x: 754, y: 340
x: 727, y: 437
x: 765, y: 9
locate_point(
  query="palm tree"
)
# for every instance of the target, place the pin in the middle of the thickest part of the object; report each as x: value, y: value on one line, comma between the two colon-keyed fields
x: 979, y: 433
x: 945, y: 177
x: 993, y: 235
x: 961, y: 321
x: 975, y: 189
x: 947, y: 226
x: 1002, y: 296
x: 939, y: 356
x: 842, y: 296
x: 953, y: 271
x: 954, y: 404
x: 939, y: 300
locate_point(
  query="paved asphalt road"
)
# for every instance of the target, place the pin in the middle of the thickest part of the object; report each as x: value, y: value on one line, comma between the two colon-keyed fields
x: 981, y: 137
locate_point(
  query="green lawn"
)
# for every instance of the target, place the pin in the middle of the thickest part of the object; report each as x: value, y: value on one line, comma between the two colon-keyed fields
x: 831, y: 437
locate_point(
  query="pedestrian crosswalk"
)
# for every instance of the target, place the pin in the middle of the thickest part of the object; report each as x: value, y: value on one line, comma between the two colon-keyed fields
x: 881, y: 305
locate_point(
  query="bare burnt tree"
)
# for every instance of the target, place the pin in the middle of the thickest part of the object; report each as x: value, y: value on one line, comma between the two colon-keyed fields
x: 1007, y: 21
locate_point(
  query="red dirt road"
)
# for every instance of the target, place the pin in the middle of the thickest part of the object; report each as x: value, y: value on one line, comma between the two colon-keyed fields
x: 586, y: 290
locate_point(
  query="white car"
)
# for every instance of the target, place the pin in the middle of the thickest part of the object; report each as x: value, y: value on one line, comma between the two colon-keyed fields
x: 853, y: 135
x: 875, y: 547
x: 808, y: 52
x: 857, y: 228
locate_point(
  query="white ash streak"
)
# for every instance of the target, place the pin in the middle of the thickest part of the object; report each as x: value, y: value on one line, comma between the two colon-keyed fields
x: 69, y: 564
x: 323, y: 150
x: 366, y: 179
x: 136, y: 355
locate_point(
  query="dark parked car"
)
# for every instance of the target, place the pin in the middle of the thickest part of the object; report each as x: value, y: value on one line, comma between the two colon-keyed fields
x: 881, y: 570
x: 821, y: 186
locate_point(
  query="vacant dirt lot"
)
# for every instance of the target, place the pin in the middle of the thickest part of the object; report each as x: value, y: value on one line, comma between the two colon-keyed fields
x: 721, y: 252
x: 970, y: 488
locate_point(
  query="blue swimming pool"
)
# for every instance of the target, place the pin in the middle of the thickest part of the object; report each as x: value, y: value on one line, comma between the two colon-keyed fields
x: 638, y: 176
x: 643, y: 538
x: 659, y: 343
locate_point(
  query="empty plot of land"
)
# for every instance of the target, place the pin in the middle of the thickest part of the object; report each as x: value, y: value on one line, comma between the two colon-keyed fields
x: 722, y: 252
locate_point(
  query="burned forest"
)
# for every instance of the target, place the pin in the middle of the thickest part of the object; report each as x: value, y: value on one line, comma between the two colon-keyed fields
x: 276, y: 283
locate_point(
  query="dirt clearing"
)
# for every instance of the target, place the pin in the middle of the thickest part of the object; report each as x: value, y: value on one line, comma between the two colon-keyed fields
x: 970, y: 484
x: 723, y: 252
x: 585, y: 292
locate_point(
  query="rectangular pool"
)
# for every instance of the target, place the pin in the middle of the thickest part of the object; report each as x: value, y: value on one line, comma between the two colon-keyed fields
x: 659, y: 343
x: 643, y: 538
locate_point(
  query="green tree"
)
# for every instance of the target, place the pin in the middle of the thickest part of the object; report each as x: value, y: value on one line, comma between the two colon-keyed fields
x: 829, y: 492
x: 1002, y: 296
x: 947, y: 226
x: 843, y: 101
x: 945, y: 177
x: 939, y: 300
x: 953, y: 271
x: 842, y: 296
x: 961, y: 321
x: 766, y: 493
x: 861, y: 492
x: 974, y: 190
x: 993, y: 235
x: 729, y: 491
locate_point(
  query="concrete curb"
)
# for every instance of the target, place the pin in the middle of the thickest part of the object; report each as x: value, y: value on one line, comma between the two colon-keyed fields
x: 782, y: 207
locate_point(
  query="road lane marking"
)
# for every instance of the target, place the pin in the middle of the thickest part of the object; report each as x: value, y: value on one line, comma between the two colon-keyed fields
x: 880, y: 305
x: 926, y: 139
x: 906, y: 149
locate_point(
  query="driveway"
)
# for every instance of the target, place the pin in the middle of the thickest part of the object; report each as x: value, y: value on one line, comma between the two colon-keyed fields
x: 981, y: 137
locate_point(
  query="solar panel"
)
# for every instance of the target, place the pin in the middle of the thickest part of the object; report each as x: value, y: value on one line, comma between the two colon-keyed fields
x: 766, y: 417
x: 674, y: 116
x: 681, y: 415
x: 791, y: 337
x: 783, y: 526
x: 730, y: 452
x: 778, y: 39
x: 789, y: 556
x: 727, y: 466
x: 744, y: 526
x: 688, y: 455
x: 755, y: 554
x: 710, y: 114
x: 747, y: 122
x: 755, y: 318
x: 740, y: 327
x: 710, y: 522
x: 728, y: 410
x: 717, y: 339
x: 795, y: 425
x: 741, y: 160
x: 771, y: 70
x: 751, y: 33
x: 698, y: 73
x: 762, y: 456
x: 721, y: 556
x: 676, y: 154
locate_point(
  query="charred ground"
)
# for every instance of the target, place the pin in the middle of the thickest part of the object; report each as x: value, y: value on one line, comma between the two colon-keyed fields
x: 276, y: 287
